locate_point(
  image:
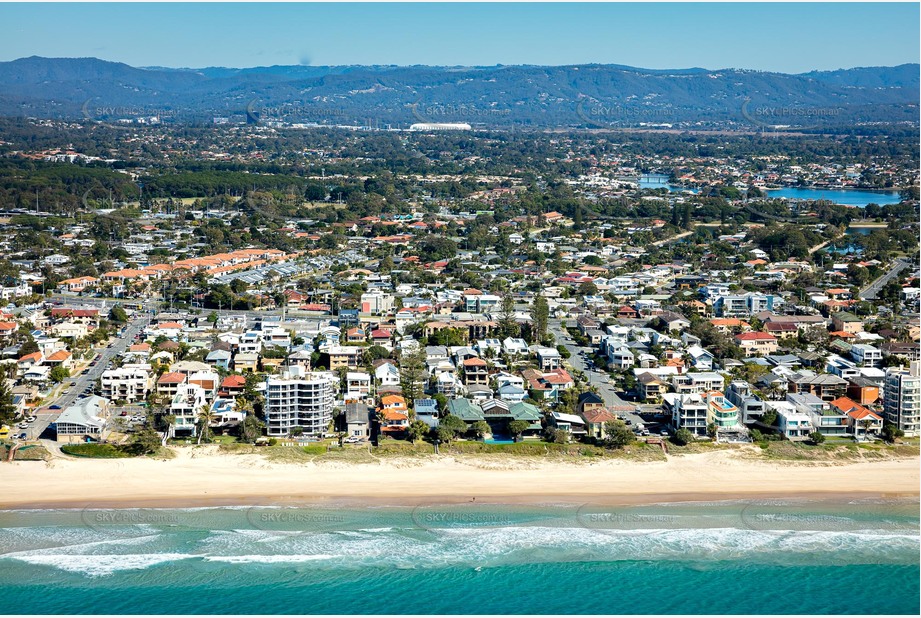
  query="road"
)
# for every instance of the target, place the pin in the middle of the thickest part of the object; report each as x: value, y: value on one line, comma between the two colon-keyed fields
x: 82, y: 381
x: 659, y: 243
x: 156, y: 305
x: 602, y: 380
x: 870, y: 292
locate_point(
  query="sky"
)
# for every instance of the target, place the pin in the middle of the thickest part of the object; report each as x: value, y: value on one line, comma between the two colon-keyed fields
x: 790, y: 38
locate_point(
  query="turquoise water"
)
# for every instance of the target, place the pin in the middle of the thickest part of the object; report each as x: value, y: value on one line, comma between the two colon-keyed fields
x: 651, y: 181
x: 858, y: 556
x: 848, y: 197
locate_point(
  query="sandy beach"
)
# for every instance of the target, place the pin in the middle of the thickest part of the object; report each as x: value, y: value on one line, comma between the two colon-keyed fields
x: 202, y: 477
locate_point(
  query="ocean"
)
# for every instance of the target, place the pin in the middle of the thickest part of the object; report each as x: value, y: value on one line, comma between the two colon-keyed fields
x: 847, y: 556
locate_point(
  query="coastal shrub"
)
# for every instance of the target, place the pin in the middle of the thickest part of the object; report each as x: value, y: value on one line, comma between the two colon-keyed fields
x: 99, y: 451
x: 273, y: 441
x: 683, y: 437
x: 816, y: 438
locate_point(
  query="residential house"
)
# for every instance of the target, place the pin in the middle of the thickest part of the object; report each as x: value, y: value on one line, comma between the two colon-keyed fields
x: 859, y: 418
x: 825, y: 419
x: 168, y: 383
x: 794, y: 424
x: 343, y: 356
x: 756, y: 343
x: 548, y: 359
x: 358, y: 420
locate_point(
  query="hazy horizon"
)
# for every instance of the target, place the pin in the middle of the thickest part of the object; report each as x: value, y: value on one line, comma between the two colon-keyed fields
x: 783, y: 38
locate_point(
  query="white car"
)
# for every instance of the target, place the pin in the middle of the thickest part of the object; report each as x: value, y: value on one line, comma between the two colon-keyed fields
x: 352, y: 440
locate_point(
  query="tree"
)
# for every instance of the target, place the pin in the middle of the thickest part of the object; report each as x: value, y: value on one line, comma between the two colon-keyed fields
x: 587, y: 288
x: 206, y: 417
x: 251, y: 428
x: 712, y: 430
x: 516, y: 428
x: 59, y: 374
x: 540, y: 314
x: 118, y: 314
x: 376, y: 352
x: 817, y: 437
x: 297, y: 431
x: 28, y: 347
x: 412, y: 368
x: 617, y: 434
x: 454, y: 424
x: 212, y: 318
x: 444, y: 434
x: 147, y: 440
x: 683, y: 436
x: 769, y: 417
x: 481, y: 428
x: 417, y: 430
x: 7, y: 408
x: 891, y: 433
x: 508, y: 327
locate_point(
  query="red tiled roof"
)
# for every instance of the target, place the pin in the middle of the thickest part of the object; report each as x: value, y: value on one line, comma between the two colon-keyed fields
x: 756, y: 336
x: 233, y: 382
x: 172, y: 378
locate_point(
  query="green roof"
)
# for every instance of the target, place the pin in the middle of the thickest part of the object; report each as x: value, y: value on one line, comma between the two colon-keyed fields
x: 847, y: 316
x: 466, y: 410
x: 524, y: 412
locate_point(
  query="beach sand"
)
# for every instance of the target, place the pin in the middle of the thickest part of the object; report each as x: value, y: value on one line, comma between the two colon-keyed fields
x: 204, y: 477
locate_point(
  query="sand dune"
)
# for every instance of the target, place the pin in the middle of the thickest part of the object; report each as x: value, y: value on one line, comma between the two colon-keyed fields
x: 202, y: 476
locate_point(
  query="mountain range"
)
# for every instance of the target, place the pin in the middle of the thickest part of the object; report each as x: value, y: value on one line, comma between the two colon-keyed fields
x: 577, y: 96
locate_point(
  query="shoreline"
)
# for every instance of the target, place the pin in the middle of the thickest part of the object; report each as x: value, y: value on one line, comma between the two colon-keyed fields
x: 406, y: 502
x: 201, y: 477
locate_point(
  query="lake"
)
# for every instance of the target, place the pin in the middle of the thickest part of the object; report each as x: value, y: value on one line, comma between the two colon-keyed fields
x: 848, y: 197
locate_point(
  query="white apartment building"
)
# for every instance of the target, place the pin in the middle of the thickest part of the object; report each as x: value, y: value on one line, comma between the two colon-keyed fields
x: 793, y: 423
x: 357, y: 385
x: 698, y: 382
x: 902, y: 398
x: 376, y: 303
x: 130, y: 383
x: 302, y: 400
x: 186, y: 405
x: 866, y: 355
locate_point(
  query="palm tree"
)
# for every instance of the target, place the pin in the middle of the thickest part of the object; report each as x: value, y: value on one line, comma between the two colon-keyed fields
x: 866, y: 424
x: 206, y: 416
